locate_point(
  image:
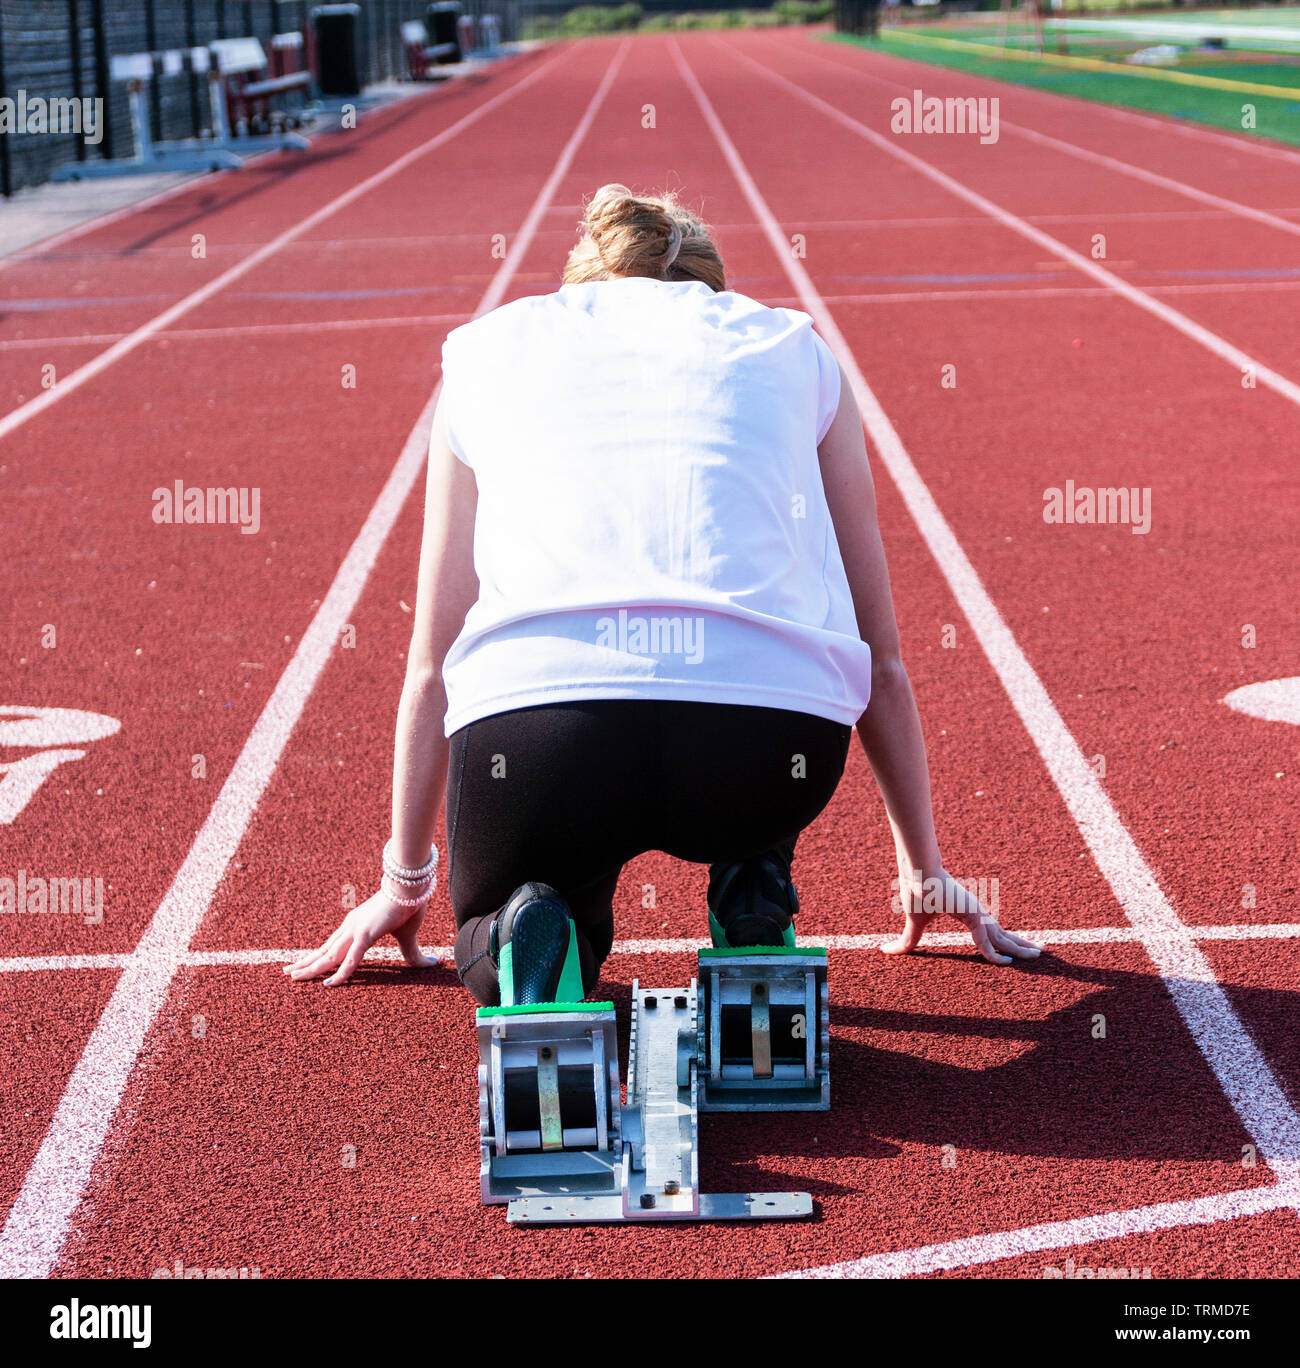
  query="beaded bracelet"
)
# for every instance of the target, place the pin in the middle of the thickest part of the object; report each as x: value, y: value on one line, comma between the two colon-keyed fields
x: 421, y: 881
x: 410, y: 902
x: 408, y: 873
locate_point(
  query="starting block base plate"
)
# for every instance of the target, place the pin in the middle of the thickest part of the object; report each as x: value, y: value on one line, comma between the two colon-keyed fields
x: 718, y: 1206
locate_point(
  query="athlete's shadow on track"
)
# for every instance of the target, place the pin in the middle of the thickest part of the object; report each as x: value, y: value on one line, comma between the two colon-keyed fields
x: 1053, y: 1088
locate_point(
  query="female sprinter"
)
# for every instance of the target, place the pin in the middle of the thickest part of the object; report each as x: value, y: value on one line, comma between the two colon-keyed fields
x: 652, y: 606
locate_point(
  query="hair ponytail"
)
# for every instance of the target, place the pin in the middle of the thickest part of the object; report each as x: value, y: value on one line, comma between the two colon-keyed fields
x: 653, y: 236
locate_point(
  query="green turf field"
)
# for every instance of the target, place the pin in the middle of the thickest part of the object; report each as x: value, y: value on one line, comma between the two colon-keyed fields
x: 1225, y: 87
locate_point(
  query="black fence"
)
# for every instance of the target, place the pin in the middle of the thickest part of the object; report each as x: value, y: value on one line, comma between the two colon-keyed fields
x: 61, y: 49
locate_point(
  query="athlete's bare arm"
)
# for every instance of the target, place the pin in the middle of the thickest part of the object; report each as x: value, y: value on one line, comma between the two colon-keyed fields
x: 890, y: 729
x: 446, y: 591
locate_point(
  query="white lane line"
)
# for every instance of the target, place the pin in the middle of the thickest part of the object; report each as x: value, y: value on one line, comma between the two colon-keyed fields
x: 245, y: 330
x: 426, y: 242
x: 1242, y: 1071
x: 1189, y: 328
x: 1124, y: 168
x: 21, y: 964
x: 53, y: 1187
x: 98, y: 364
x: 35, y: 250
x: 1057, y: 292
x: 1177, y: 187
x: 1085, y: 1230
x: 1082, y: 935
x: 978, y: 220
x: 1198, y: 132
x: 451, y: 319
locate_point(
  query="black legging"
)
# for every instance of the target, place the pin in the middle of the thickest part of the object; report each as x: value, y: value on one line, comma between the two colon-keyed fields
x: 567, y: 793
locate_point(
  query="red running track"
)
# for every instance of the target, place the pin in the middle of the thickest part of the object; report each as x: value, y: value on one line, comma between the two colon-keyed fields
x: 173, y: 1096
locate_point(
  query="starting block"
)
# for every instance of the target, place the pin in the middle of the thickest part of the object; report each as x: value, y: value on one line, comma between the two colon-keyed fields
x: 558, y: 1145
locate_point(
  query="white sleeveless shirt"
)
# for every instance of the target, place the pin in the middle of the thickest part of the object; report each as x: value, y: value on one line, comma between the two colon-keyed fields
x: 651, y: 519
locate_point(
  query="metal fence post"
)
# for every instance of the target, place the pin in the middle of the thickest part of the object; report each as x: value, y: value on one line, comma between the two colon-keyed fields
x: 155, y: 93
x: 74, y: 53
x: 102, y: 91
x: 191, y: 41
x: 6, y: 176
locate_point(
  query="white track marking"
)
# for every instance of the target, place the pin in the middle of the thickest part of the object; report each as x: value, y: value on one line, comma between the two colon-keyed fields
x: 426, y: 241
x: 1124, y: 168
x: 443, y: 320
x: 1177, y: 187
x: 978, y: 220
x: 1275, y: 700
x: 1211, y: 341
x: 20, y: 964
x: 1058, y: 292
x: 1069, y: 935
x: 52, y: 1190
x: 1242, y: 1071
x: 35, y: 250
x: 244, y: 330
x: 97, y: 365
x: 1198, y: 132
x: 1111, y: 1225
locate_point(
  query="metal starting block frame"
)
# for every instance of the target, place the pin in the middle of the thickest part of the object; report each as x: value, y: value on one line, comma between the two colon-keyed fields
x: 751, y: 1034
x: 221, y: 151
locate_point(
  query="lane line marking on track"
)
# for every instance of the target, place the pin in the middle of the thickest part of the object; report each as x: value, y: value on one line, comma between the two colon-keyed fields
x: 1124, y: 168
x: 1198, y: 132
x: 52, y: 1190
x: 1083, y: 935
x: 1211, y: 341
x: 978, y: 220
x: 1147, y: 73
x: 33, y: 251
x: 1063, y: 292
x: 75, y: 379
x: 1111, y: 1225
x: 1185, y: 129
x: 247, y: 330
x: 1229, y: 1049
x: 441, y: 320
x: 423, y: 242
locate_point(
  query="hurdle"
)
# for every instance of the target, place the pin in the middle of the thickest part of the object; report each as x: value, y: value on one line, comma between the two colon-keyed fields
x: 558, y: 1146
x: 221, y: 151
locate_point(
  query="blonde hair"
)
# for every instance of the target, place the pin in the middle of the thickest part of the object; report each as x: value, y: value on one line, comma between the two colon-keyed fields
x: 642, y: 235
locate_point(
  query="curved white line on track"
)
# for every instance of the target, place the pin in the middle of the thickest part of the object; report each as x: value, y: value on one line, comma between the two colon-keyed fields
x: 1111, y: 1225
x: 97, y: 365
x: 1242, y: 1072
x: 53, y: 1187
x: 1189, y: 328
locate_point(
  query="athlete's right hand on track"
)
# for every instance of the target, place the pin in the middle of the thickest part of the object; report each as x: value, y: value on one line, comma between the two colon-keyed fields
x: 377, y: 917
x: 944, y: 896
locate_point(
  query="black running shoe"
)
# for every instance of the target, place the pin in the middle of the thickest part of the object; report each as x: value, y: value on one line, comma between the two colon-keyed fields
x: 753, y: 901
x: 534, y: 945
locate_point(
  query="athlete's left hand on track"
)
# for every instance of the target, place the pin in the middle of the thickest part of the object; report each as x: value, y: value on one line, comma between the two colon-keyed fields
x: 993, y: 941
x: 377, y: 917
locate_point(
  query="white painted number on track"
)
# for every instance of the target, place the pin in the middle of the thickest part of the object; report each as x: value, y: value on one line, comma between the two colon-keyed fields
x: 1276, y: 700
x: 55, y: 729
